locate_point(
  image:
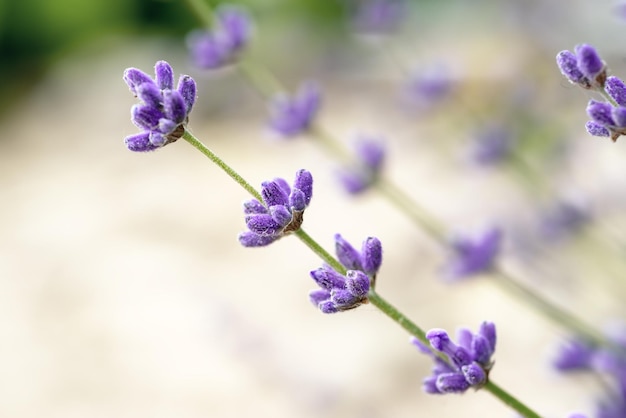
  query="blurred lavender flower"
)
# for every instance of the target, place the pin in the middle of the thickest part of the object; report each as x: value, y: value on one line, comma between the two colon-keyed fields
x: 469, y: 362
x: 583, y: 67
x: 565, y: 217
x: 377, y: 16
x: 430, y: 85
x: 164, y: 111
x: 280, y: 213
x: 339, y: 293
x: 492, y: 145
x: 473, y: 255
x: 291, y: 116
x: 214, y: 49
x: 574, y: 354
x: 370, y: 154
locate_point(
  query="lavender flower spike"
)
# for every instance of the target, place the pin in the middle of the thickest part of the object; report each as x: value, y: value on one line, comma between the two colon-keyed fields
x: 339, y: 293
x: 164, y: 111
x: 281, y: 211
x: 469, y: 361
x: 473, y: 255
x: 370, y: 154
x: 214, y: 49
x: 291, y: 116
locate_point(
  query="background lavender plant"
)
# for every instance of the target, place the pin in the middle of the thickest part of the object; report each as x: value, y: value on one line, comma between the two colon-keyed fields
x: 137, y: 289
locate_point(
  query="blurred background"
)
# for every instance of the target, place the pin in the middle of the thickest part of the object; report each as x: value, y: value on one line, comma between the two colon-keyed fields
x: 123, y: 289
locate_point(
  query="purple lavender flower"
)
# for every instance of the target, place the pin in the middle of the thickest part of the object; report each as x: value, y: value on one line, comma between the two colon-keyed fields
x: 469, y: 362
x: 473, y: 255
x: 566, y: 216
x: 430, y: 85
x: 214, y: 49
x: 370, y: 154
x: 606, y: 119
x: 339, y: 293
x: 293, y: 115
x: 583, y: 67
x: 574, y: 354
x: 281, y: 212
x: 492, y: 145
x: 377, y: 16
x: 164, y: 112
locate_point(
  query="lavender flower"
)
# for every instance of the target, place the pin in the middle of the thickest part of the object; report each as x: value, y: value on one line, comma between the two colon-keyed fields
x: 583, y: 67
x: 469, y: 362
x: 214, y: 49
x: 370, y: 154
x: 606, y: 119
x: 473, y: 255
x: 430, y: 85
x: 339, y: 292
x: 566, y: 216
x: 492, y: 145
x: 293, y: 115
x: 164, y: 112
x: 281, y: 212
x: 377, y: 16
x: 575, y: 354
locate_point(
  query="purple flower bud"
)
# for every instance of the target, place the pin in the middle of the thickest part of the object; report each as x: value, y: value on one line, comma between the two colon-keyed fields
x: 273, y: 194
x: 281, y: 214
x: 574, y: 354
x: 291, y: 116
x: 219, y: 47
x: 253, y: 206
x: 492, y: 144
x: 618, y: 114
x: 616, y: 89
x: 429, y: 385
x: 318, y: 296
x: 440, y: 341
x: 263, y: 225
x: 250, y: 239
x: 297, y: 200
x: 150, y: 94
x: 481, y: 350
x: 328, y: 278
x: 328, y: 307
x: 588, y: 60
x: 343, y: 298
x: 371, y: 255
x: 134, y: 78
x: 601, y: 112
x: 474, y: 374
x: 452, y: 383
x: 164, y: 75
x: 473, y: 255
x: 174, y: 107
x: 357, y: 283
x: 187, y: 89
x: 487, y: 330
x: 139, y: 142
x: 347, y: 254
x: 145, y: 117
x: 304, y: 183
x: 568, y: 64
x: 596, y: 129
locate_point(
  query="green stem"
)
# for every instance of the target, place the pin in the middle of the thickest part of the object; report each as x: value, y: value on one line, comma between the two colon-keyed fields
x: 509, y: 400
x: 188, y: 136
x: 320, y: 251
x: 203, y: 11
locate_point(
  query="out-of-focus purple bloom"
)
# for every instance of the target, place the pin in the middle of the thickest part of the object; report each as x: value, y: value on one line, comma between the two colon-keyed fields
x: 219, y: 47
x: 492, y: 144
x: 473, y: 255
x: 574, y: 354
x: 370, y: 154
x: 469, y: 361
x: 291, y: 116
x: 565, y: 217
x: 430, y: 85
x: 281, y: 211
x: 577, y: 416
x: 164, y: 111
x: 583, y: 67
x: 339, y: 293
x: 378, y: 16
